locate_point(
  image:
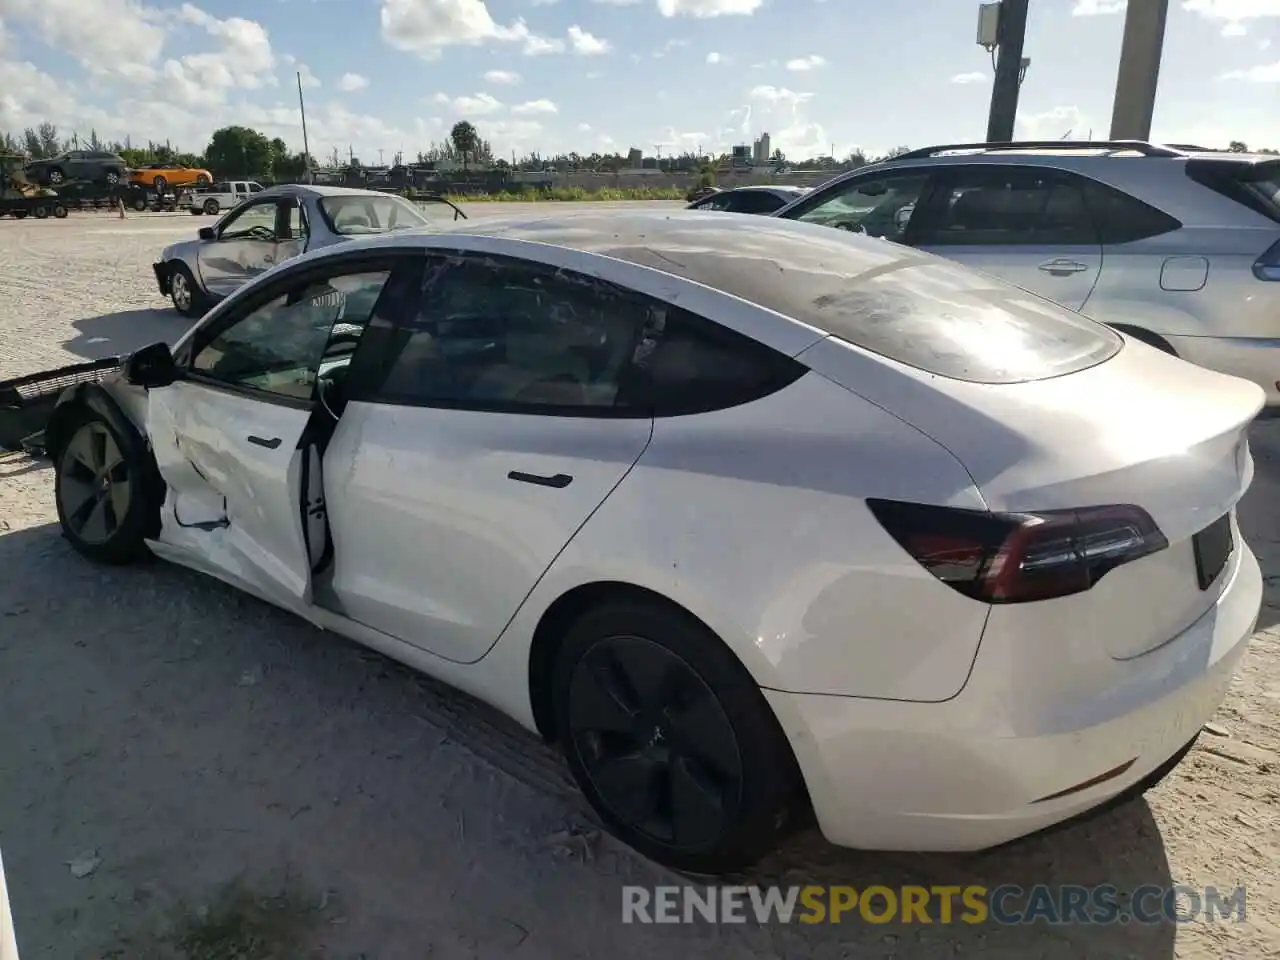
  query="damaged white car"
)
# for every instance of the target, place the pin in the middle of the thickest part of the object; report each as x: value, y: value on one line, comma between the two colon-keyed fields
x: 751, y: 516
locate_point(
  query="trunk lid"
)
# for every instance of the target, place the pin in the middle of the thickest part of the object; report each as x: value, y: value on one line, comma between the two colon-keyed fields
x: 1141, y: 428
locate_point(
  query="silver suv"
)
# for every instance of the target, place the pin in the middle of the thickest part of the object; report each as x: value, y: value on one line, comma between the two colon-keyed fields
x: 1176, y: 246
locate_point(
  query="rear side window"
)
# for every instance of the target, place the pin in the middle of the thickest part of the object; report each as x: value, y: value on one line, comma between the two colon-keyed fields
x: 758, y: 201
x: 510, y: 336
x: 1120, y: 218
x: 1015, y: 205
x: 1252, y: 185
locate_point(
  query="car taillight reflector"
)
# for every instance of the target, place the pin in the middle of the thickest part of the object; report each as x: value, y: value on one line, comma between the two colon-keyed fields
x: 1019, y: 557
x: 1267, y: 266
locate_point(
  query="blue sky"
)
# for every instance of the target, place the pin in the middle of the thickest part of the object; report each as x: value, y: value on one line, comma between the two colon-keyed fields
x: 586, y: 75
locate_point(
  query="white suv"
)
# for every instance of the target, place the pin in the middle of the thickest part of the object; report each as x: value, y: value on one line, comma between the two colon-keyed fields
x: 1179, y: 247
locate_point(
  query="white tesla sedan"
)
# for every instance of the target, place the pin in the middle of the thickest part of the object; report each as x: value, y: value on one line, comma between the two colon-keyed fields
x: 752, y: 516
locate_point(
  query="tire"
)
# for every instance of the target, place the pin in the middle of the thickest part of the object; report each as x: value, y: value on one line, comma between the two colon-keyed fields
x: 211, y: 207
x: 19, y: 214
x: 185, y: 293
x: 202, y: 180
x: 55, y: 176
x: 59, y: 211
x: 160, y: 183
x: 41, y: 212
x: 706, y: 730
x: 112, y: 178
x: 140, y: 203
x: 106, y: 512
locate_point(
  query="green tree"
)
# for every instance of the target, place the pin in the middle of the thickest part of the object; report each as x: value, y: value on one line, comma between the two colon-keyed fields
x: 238, y: 152
x: 465, y: 140
x: 50, y: 145
x: 1237, y: 146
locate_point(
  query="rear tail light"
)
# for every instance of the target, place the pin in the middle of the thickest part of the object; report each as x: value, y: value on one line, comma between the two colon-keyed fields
x: 1018, y: 557
x: 1267, y: 266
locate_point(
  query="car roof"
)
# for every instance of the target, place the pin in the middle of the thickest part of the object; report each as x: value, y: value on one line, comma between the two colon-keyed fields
x: 803, y: 271
x: 766, y: 187
x: 315, y: 190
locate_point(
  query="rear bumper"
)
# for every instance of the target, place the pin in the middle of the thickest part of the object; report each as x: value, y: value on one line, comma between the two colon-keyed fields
x: 162, y: 278
x: 1032, y: 740
x: 1251, y: 358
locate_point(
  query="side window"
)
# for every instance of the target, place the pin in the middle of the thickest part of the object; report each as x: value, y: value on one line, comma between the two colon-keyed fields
x: 881, y: 205
x: 508, y: 334
x: 253, y: 221
x: 220, y: 187
x: 992, y: 205
x: 717, y: 201
x: 512, y: 336
x: 255, y: 188
x: 1121, y: 218
x: 279, y: 346
x: 758, y: 201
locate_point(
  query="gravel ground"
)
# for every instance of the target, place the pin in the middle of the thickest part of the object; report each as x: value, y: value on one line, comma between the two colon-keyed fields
x: 177, y: 737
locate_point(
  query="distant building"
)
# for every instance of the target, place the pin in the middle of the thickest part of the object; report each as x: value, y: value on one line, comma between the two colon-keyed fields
x: 762, y: 151
x: 741, y: 156
x: 635, y: 158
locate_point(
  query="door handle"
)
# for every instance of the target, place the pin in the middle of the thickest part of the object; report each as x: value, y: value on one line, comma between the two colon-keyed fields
x: 1063, y: 267
x: 263, y: 442
x: 558, y: 482
x: 268, y: 259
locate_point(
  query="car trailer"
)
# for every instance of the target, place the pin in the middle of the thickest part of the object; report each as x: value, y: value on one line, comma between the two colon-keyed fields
x: 27, y: 401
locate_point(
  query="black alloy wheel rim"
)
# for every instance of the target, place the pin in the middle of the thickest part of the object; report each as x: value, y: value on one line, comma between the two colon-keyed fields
x: 655, y: 742
x: 95, y: 484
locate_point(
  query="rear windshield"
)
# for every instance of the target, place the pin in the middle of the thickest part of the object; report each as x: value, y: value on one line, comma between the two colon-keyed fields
x: 908, y: 306
x: 361, y: 214
x: 1254, y: 185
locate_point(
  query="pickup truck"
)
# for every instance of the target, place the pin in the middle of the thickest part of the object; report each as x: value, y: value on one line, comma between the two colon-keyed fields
x: 222, y: 195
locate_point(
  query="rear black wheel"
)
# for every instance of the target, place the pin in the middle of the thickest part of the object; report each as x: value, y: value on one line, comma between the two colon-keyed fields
x: 671, y: 740
x: 102, y: 492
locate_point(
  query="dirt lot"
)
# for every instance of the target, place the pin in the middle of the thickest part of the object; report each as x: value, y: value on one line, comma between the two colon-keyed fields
x: 223, y: 772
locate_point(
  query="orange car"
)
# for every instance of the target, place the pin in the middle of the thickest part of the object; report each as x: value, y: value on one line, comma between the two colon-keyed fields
x: 161, y: 176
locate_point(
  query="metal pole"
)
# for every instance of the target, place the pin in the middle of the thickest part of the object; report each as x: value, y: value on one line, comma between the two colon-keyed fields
x: 1139, y: 71
x: 306, y: 149
x: 1004, y: 91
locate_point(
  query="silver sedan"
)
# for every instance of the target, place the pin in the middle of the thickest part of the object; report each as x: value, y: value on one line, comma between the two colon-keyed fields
x: 276, y: 225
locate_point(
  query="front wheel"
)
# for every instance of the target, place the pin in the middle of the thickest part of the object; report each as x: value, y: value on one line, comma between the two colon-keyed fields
x: 185, y: 292
x: 211, y: 207
x: 670, y: 739
x: 41, y: 212
x: 102, y: 494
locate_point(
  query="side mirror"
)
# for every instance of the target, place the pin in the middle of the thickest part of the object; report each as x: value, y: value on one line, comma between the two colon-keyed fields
x: 206, y: 233
x: 151, y: 366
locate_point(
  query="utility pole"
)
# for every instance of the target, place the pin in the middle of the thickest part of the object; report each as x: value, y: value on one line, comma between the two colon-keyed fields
x: 1010, y: 35
x: 1139, y: 71
x: 306, y: 148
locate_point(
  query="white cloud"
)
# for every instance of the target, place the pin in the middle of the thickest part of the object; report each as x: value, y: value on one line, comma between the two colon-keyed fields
x: 502, y: 77
x: 1054, y: 124
x: 309, y: 80
x: 119, y: 37
x: 713, y: 57
x: 618, y: 3
x: 705, y: 9
x: 1264, y: 73
x: 351, y: 82
x: 586, y: 44
x: 480, y: 104
x: 976, y: 76
x: 584, y: 128
x: 803, y: 64
x: 1097, y: 8
x: 771, y: 94
x: 427, y: 27
x: 534, y: 106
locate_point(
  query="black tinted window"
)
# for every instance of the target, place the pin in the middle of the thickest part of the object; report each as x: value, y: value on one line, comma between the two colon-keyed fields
x: 503, y: 334
x: 992, y: 205
x: 1121, y: 218
x: 757, y: 201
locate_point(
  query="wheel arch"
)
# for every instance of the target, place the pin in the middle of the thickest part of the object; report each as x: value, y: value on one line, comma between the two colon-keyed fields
x: 1146, y: 336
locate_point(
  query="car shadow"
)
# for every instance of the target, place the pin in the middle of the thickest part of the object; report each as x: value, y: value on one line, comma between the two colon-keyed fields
x: 182, y: 699
x: 112, y: 334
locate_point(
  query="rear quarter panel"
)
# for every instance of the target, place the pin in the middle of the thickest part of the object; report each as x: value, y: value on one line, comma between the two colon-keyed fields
x: 753, y: 519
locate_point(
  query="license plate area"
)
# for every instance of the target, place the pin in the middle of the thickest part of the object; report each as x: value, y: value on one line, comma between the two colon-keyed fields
x: 1212, y: 547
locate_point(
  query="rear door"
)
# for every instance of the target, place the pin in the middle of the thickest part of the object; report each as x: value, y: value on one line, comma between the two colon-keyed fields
x: 1028, y: 225
x: 491, y: 438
